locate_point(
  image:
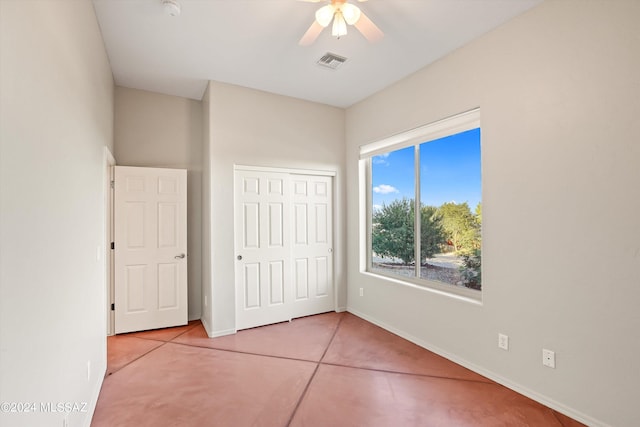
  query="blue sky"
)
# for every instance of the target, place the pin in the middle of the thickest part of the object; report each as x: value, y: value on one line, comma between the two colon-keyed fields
x: 449, y: 172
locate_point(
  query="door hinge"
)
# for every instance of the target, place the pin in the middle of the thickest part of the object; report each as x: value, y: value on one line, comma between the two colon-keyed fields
x: 113, y: 307
x: 113, y: 245
x: 113, y: 184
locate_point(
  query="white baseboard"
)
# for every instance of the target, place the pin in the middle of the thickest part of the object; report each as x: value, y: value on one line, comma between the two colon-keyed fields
x: 226, y: 332
x: 341, y: 309
x: 215, y: 334
x: 570, y: 412
x: 207, y: 328
x: 94, y: 397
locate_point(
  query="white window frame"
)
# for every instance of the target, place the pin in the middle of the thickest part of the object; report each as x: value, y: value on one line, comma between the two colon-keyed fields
x: 442, y: 128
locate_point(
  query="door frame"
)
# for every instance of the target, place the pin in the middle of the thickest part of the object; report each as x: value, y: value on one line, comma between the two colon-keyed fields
x: 292, y: 171
x: 109, y: 163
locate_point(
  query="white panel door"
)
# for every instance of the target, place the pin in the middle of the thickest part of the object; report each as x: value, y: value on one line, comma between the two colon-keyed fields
x: 263, y: 251
x: 150, y: 217
x: 312, y: 244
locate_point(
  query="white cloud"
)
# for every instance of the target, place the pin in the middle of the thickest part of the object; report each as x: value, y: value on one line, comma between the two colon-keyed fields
x: 380, y: 159
x: 385, y: 189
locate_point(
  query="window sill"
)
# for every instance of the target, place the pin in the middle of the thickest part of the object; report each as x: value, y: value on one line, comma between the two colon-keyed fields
x: 463, y: 294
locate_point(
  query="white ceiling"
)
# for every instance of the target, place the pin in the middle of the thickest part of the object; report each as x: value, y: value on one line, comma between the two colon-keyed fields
x: 254, y: 43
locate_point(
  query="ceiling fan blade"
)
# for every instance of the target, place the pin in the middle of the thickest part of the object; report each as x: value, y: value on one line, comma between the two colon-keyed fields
x: 368, y: 29
x: 311, y: 35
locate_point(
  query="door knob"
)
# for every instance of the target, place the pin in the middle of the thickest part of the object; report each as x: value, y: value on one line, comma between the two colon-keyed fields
x: 239, y: 257
x: 181, y: 256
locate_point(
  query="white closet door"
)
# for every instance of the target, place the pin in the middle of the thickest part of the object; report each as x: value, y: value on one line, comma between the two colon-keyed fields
x: 263, y: 249
x: 312, y: 244
x: 284, y: 245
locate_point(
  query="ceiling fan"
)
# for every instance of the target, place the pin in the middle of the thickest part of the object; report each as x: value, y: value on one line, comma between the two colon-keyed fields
x: 342, y: 13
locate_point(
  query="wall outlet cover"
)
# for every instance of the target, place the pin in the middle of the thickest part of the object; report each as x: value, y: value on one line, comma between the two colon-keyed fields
x: 503, y: 341
x: 548, y: 358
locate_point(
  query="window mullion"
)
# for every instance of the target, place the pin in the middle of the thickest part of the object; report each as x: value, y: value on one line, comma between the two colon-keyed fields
x: 416, y: 211
x: 369, y: 202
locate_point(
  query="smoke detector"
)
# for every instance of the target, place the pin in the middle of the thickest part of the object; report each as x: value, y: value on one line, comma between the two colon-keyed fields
x: 171, y: 7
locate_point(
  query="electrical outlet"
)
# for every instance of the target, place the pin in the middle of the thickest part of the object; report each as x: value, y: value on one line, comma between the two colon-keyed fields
x: 205, y: 301
x: 361, y: 292
x: 548, y: 358
x: 503, y: 341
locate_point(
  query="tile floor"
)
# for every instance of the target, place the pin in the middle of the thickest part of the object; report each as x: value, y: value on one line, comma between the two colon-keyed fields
x: 332, y: 369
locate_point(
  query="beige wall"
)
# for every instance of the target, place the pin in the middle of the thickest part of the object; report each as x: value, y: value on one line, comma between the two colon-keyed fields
x: 154, y: 130
x: 56, y: 117
x: 559, y: 95
x: 206, y: 316
x: 250, y: 127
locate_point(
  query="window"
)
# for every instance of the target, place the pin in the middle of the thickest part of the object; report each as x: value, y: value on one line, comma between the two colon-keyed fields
x: 427, y: 182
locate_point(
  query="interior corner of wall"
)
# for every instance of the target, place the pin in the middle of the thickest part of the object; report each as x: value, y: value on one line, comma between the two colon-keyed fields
x: 207, y: 327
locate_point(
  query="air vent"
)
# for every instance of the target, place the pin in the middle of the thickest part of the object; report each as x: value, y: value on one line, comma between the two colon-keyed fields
x: 331, y: 60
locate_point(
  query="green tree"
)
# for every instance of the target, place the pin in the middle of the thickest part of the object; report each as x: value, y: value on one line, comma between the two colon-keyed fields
x: 471, y: 269
x: 431, y: 232
x: 392, y: 234
x: 393, y: 231
x: 479, y: 213
x: 460, y: 226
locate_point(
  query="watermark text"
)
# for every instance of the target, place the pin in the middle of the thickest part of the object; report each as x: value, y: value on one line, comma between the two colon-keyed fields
x: 42, y: 407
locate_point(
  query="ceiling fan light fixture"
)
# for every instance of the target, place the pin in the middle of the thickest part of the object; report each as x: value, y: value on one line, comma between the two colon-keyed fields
x: 339, y: 28
x: 351, y: 13
x: 343, y: 14
x: 324, y: 15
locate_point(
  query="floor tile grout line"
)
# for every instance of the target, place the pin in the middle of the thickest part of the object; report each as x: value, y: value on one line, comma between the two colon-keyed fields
x: 302, y: 395
x: 151, y: 339
x: 388, y: 371
x: 335, y: 332
x: 156, y: 339
x: 262, y: 354
x: 226, y: 350
x: 306, y: 389
x: 137, y: 358
x: 185, y: 331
